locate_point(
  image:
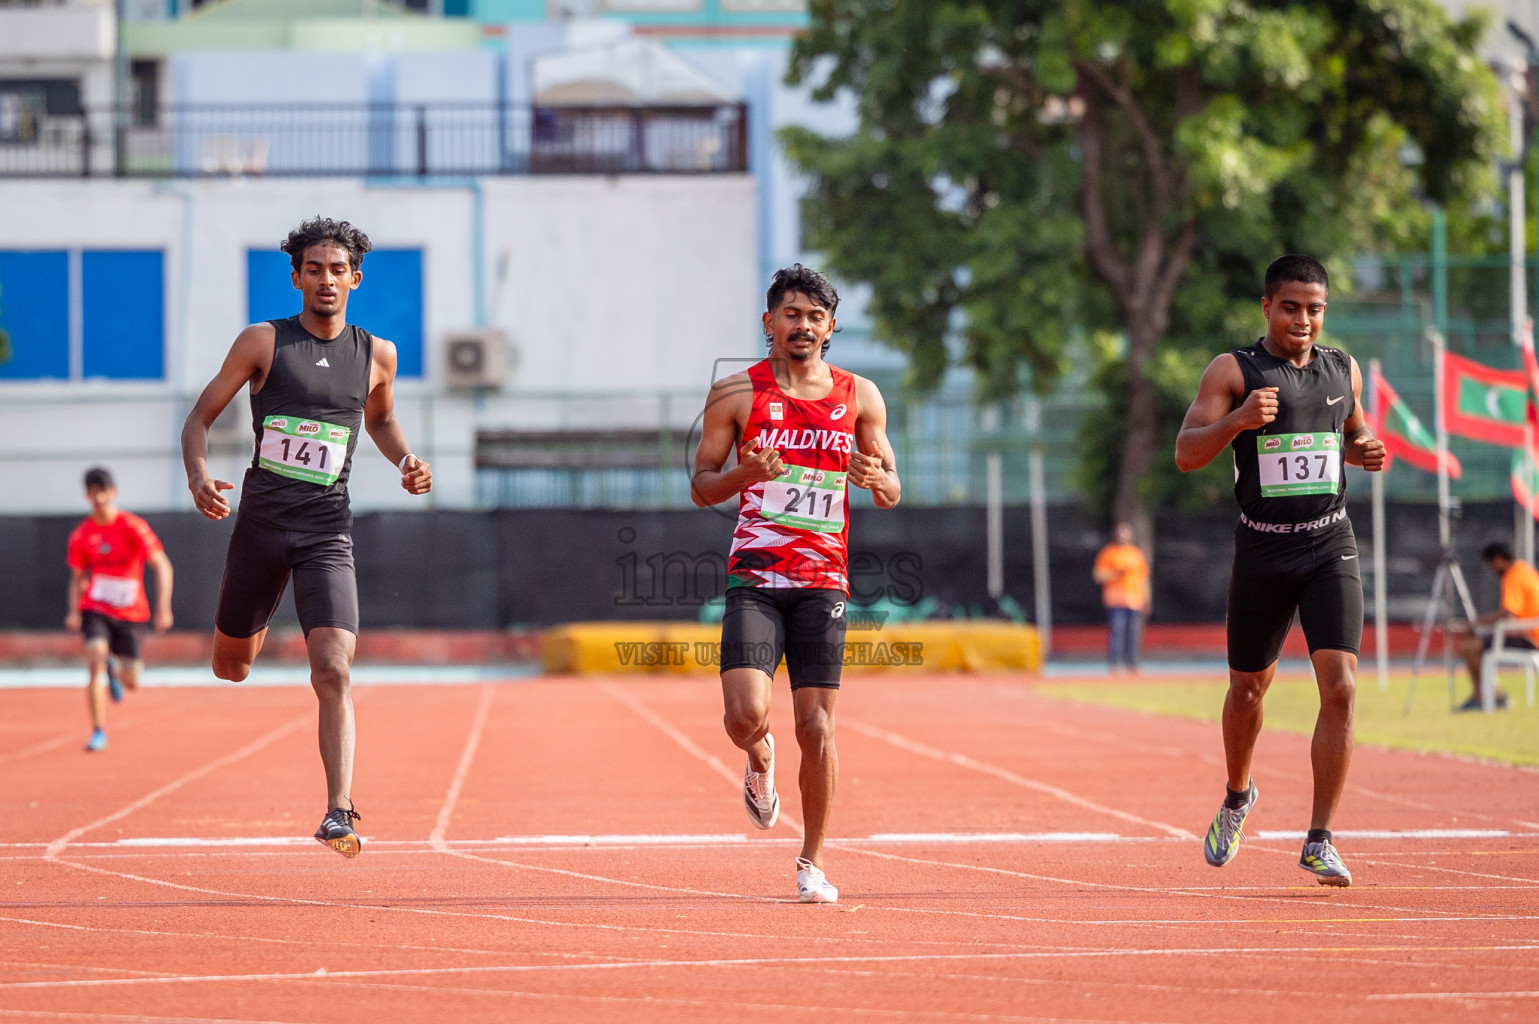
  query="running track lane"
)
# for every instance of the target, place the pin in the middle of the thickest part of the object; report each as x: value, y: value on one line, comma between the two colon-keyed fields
x: 467, y: 905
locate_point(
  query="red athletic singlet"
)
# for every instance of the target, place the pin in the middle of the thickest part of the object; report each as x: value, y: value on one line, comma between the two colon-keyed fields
x: 793, y: 531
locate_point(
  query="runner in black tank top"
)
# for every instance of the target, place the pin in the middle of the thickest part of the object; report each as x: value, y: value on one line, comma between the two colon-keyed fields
x: 1289, y: 410
x: 315, y: 382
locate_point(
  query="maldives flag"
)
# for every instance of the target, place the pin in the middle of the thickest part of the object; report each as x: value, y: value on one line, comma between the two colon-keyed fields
x: 1484, y: 403
x: 1396, y: 425
x: 1525, y: 467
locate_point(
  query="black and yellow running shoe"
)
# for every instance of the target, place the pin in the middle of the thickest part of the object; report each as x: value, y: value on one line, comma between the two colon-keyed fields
x: 1223, y: 840
x: 337, y: 831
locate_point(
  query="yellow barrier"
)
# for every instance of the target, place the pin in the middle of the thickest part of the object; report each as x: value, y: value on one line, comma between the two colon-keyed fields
x: 613, y: 648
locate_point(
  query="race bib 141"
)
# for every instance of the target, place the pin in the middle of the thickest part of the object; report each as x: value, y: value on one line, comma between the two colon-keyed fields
x: 806, y: 499
x: 1299, y: 464
x: 309, y: 450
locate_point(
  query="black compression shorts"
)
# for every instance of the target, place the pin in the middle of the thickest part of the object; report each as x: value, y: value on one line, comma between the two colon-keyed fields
x: 803, y: 623
x: 260, y: 561
x: 123, y: 638
x: 1313, y: 573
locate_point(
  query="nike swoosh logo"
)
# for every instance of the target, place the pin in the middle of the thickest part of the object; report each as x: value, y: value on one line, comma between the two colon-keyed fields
x: 1347, y: 558
x: 1333, y: 401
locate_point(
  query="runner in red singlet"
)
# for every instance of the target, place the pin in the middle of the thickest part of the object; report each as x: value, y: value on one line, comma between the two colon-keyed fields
x: 803, y: 431
x: 107, y: 554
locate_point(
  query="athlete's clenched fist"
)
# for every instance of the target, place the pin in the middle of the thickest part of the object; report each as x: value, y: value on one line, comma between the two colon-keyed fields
x: 761, y: 464
x: 866, y: 470
x: 1258, y: 409
x: 416, y: 475
x: 1372, y: 450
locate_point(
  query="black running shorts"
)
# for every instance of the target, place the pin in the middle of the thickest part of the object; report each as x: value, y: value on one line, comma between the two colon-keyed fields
x: 123, y: 638
x: 804, y: 624
x: 258, y: 565
x: 1314, y: 573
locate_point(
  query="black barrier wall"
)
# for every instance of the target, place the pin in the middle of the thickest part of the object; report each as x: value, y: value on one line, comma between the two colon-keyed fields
x: 494, y: 569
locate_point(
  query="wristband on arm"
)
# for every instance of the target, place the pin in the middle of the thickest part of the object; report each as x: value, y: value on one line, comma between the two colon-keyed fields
x: 402, y: 464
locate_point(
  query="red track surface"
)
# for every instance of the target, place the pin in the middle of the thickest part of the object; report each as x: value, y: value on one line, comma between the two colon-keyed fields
x: 448, y: 916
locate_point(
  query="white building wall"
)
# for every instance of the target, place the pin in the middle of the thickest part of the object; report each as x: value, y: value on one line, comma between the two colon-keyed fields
x: 608, y: 286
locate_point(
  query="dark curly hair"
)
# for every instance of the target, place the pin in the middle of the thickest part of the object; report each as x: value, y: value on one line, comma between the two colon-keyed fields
x: 320, y: 229
x: 1293, y: 267
x: 797, y: 278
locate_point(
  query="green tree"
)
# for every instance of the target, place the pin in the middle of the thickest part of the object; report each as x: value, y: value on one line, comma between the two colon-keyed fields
x: 1028, y: 172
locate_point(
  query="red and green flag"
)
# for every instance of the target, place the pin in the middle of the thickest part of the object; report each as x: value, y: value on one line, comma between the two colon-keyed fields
x: 1404, y: 437
x: 1483, y: 403
x: 1525, y: 467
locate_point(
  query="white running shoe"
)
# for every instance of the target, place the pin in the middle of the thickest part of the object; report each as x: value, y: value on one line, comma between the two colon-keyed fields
x: 759, y: 795
x: 812, y: 885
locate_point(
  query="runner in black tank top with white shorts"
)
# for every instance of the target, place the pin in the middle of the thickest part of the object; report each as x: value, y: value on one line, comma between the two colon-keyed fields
x: 1290, y: 410
x: 315, y: 382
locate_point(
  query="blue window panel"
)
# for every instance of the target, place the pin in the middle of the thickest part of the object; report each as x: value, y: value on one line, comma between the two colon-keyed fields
x: 387, y: 304
x: 123, y: 323
x: 34, y: 311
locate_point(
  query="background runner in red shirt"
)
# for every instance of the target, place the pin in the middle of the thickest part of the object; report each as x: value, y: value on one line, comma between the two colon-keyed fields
x: 107, y: 554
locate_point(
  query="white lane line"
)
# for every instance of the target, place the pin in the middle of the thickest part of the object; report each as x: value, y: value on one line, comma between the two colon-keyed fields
x: 154, y: 842
x: 721, y: 839
x: 704, y: 840
x: 1453, y: 995
x: 467, y: 755
x: 766, y: 961
x: 668, y: 729
x: 962, y: 760
x: 994, y: 837
x: 278, y: 675
x: 1153, y: 890
x: 57, y: 846
x: 1388, y: 833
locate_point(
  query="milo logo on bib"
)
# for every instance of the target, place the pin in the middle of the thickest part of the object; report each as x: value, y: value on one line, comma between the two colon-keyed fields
x: 1292, y: 464
x: 307, y: 450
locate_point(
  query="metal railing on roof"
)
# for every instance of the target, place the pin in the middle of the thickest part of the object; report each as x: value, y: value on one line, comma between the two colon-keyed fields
x: 373, y: 140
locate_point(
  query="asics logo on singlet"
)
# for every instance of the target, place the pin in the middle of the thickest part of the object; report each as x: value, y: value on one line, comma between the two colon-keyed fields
x: 322, y: 362
x: 789, y: 439
x: 837, y: 611
x: 837, y: 412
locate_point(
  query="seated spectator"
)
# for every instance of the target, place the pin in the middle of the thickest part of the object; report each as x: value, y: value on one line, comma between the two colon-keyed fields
x: 1520, y: 600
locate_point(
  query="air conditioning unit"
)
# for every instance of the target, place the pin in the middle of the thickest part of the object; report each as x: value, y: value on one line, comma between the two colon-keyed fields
x: 477, y: 359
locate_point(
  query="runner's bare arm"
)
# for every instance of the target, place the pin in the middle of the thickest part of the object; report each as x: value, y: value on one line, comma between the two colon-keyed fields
x: 1214, y: 420
x: 1362, y: 449
x: 160, y: 565
x: 379, y: 420
x: 726, y: 411
x: 248, y: 361
x: 77, y: 585
x: 872, y: 464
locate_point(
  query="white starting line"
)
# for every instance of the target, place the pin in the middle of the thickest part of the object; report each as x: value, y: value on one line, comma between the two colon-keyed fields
x: 67, y: 676
x: 739, y: 839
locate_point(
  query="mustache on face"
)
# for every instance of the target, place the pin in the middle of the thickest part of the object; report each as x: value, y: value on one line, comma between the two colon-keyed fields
x: 798, y: 335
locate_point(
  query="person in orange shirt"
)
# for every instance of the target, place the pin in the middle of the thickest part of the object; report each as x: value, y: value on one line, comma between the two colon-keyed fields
x: 1520, y: 600
x: 107, y: 554
x: 1123, y: 573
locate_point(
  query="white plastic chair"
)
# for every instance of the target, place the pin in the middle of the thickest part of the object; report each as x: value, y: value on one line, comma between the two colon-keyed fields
x: 1500, y: 655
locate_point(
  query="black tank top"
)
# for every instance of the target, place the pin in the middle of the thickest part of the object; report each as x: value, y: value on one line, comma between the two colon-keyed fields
x: 1290, y: 471
x: 307, y: 418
